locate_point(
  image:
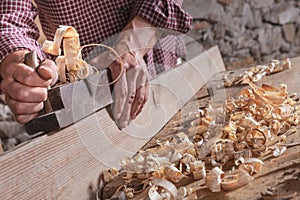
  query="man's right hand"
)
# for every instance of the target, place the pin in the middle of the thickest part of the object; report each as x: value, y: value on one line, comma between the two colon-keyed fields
x: 25, y: 88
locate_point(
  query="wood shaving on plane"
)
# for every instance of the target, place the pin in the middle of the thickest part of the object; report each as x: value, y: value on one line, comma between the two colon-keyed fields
x: 71, y: 66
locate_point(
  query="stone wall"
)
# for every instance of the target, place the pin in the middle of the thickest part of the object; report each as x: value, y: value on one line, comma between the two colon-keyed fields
x: 246, y: 31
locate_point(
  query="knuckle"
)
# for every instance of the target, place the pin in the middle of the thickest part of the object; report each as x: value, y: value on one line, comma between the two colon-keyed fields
x: 131, y: 98
x: 141, y: 99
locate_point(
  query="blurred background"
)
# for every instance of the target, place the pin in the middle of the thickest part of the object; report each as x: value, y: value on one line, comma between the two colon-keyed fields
x: 246, y: 31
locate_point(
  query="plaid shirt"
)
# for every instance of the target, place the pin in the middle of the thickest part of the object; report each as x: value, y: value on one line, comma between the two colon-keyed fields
x: 95, y: 21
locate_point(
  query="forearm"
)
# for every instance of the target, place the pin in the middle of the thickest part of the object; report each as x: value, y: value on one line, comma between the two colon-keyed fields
x: 138, y: 36
x: 17, y: 28
x: 166, y: 14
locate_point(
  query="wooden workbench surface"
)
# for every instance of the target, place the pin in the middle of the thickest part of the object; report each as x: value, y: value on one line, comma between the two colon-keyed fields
x: 281, y: 178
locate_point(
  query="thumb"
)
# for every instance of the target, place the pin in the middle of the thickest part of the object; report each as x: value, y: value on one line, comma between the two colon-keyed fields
x: 47, y: 70
x: 44, y: 72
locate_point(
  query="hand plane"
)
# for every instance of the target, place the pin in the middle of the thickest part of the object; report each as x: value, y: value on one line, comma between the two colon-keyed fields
x: 70, y: 102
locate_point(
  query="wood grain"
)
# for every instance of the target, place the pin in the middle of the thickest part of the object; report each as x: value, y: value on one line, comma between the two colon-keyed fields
x: 67, y: 163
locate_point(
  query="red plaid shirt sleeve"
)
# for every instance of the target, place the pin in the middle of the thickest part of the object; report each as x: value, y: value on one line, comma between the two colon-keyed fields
x: 17, y: 28
x: 164, y: 14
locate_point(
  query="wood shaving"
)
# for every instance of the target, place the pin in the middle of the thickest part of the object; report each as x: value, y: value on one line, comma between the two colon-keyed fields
x: 110, y: 174
x: 257, y: 124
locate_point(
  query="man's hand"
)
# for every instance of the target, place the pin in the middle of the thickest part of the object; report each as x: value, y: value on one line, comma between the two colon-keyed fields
x: 131, y: 90
x: 25, y: 89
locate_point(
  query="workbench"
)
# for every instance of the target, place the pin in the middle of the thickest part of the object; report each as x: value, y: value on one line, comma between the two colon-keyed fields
x: 67, y: 164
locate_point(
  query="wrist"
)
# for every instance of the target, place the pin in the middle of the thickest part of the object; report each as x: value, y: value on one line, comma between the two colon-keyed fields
x: 137, y: 22
x: 138, y: 36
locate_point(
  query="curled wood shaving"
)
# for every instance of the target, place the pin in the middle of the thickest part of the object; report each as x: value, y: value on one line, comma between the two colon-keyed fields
x: 71, y: 63
x: 190, y: 189
x: 173, y: 174
x: 251, y: 165
x: 236, y: 179
x: 110, y: 174
x: 168, y: 190
x: 198, y: 169
x: 214, y: 178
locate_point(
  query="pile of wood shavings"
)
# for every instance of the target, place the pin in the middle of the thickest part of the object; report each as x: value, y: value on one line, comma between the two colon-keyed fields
x: 257, y: 72
x: 257, y: 125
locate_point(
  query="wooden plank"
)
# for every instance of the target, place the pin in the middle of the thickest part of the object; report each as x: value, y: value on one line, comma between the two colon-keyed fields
x: 67, y: 164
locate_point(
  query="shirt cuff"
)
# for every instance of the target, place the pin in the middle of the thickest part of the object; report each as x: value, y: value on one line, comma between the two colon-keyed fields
x: 10, y: 43
x: 164, y: 14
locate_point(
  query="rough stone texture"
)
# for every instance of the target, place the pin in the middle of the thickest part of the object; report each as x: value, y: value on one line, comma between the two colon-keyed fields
x: 11, y: 132
x: 282, y: 13
x: 225, y: 2
x: 236, y: 8
x: 297, y: 39
x: 291, y: 14
x: 205, y: 9
x: 248, y: 17
x: 201, y: 25
x: 247, y: 30
x: 269, y: 39
x: 289, y: 32
x: 258, y: 4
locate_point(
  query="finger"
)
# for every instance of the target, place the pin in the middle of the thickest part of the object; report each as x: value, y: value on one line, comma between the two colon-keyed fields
x: 141, y: 96
x: 145, y: 97
x: 28, y: 76
x: 132, y: 76
x: 24, y: 93
x: 120, y: 94
x: 47, y: 70
x: 23, y: 108
x: 22, y: 119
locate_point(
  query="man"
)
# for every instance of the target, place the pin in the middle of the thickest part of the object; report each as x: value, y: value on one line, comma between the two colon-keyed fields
x: 26, y: 89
